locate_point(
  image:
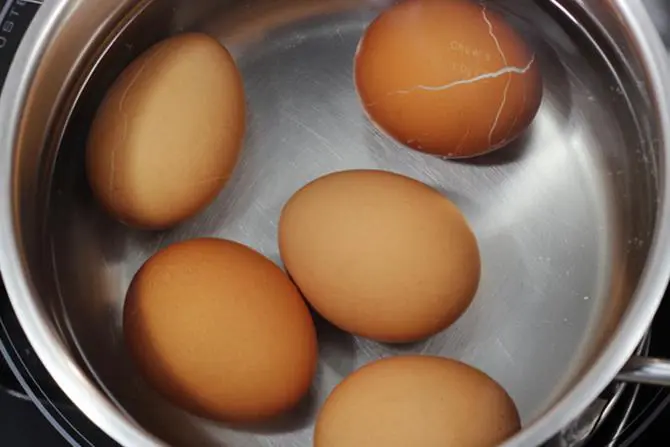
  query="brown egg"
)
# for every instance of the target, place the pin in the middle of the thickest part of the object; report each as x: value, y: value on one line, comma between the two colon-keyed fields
x: 220, y: 330
x: 447, y: 77
x: 379, y: 254
x: 416, y: 401
x: 167, y: 135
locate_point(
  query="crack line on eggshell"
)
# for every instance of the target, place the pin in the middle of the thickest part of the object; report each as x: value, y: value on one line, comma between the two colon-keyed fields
x: 466, y: 134
x: 492, y: 75
x: 492, y: 34
x: 516, y: 116
x: 500, y: 109
x: 509, y: 79
x: 122, y: 112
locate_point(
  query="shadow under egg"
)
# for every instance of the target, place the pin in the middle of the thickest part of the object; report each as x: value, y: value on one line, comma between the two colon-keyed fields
x: 336, y: 347
x: 300, y: 416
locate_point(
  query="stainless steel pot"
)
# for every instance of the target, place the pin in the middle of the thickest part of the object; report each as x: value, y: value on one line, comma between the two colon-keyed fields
x: 573, y: 220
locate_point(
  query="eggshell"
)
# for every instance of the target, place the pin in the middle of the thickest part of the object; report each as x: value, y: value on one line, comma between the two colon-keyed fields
x: 220, y: 330
x: 447, y: 77
x: 416, y: 401
x: 167, y: 135
x: 379, y: 254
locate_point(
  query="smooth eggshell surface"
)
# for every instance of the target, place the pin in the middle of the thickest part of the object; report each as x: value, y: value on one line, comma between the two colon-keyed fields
x: 379, y: 254
x: 220, y: 330
x: 447, y: 77
x: 167, y: 135
x: 416, y: 401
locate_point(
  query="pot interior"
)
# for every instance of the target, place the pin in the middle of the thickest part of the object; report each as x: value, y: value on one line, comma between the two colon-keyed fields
x: 564, y: 216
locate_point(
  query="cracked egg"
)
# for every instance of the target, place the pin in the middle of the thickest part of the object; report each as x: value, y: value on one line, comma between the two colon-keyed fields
x: 167, y: 135
x: 447, y: 77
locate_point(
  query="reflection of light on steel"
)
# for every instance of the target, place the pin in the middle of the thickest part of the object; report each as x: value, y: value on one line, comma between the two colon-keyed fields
x: 659, y: 10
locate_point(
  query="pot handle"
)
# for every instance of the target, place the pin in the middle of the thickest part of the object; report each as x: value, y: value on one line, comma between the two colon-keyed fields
x: 646, y: 371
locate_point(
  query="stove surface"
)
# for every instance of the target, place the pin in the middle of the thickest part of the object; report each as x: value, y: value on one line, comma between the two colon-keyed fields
x: 22, y: 424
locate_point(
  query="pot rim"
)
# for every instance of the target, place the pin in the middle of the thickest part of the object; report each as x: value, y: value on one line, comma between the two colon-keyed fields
x: 654, y: 279
x: 118, y: 425
x: 41, y: 334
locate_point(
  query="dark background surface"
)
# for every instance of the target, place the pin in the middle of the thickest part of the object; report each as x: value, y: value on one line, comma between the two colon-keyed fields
x: 22, y: 425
